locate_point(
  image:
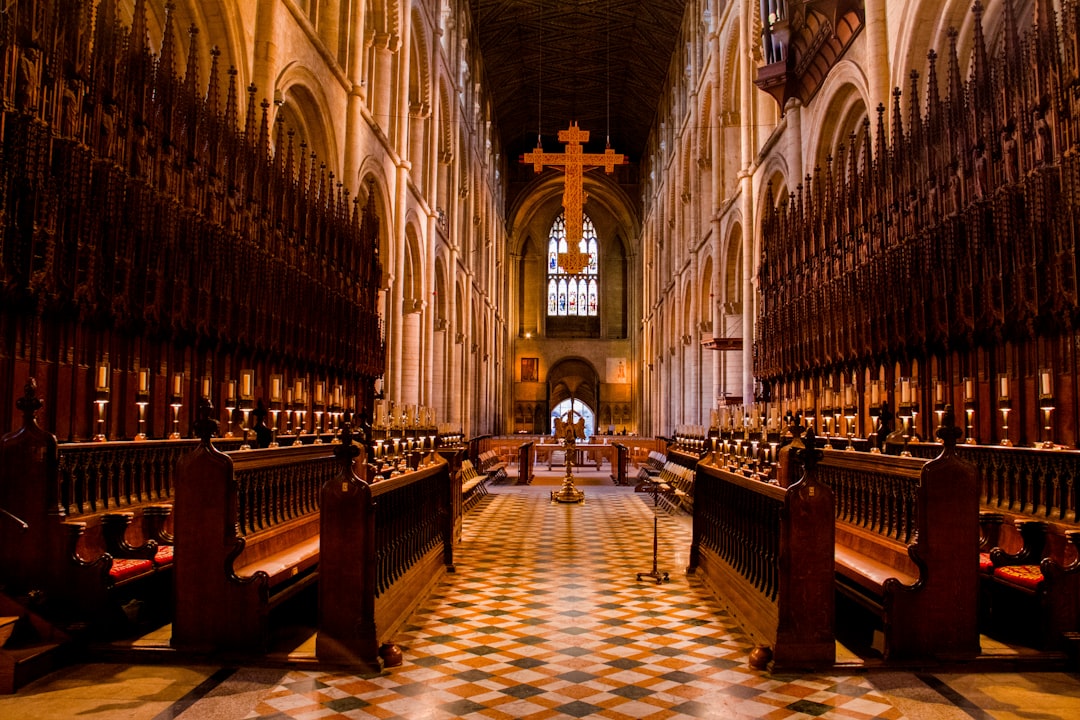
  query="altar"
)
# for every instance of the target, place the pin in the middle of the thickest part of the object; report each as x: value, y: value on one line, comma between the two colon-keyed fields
x: 583, y: 454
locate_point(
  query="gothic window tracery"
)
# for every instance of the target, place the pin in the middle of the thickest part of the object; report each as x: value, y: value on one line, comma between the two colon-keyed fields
x: 573, y: 295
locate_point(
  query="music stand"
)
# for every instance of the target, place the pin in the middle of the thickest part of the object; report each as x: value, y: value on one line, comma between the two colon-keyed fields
x: 655, y: 574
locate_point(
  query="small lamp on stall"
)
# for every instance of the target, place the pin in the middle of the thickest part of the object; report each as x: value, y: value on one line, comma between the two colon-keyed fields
x: 1004, y: 405
x: 276, y: 396
x: 1046, y: 404
x: 177, y: 403
x: 230, y: 406
x: 247, y: 395
x: 101, y: 396
x: 142, y: 399
x: 969, y: 408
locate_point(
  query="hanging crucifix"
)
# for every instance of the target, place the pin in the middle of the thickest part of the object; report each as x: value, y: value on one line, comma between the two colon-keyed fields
x: 574, y: 162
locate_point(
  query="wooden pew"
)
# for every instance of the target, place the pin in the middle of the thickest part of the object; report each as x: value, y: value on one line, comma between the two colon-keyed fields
x: 767, y: 552
x: 473, y: 485
x: 1032, y: 595
x: 78, y: 567
x: 493, y: 466
x: 385, y: 543
x: 907, y: 547
x: 247, y: 539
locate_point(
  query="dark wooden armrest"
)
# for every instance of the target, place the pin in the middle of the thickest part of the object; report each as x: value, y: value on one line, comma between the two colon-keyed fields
x: 74, y: 531
x: 114, y: 527
x: 156, y: 517
x: 1052, y: 568
x: 989, y: 529
x: 1033, y: 533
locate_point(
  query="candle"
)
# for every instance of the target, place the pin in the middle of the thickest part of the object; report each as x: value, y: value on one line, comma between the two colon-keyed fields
x: 177, y: 384
x: 905, y: 390
x: 144, y: 380
x: 232, y: 391
x: 247, y: 380
x: 969, y: 388
x: 875, y: 393
x: 320, y: 388
x: 206, y: 386
x: 1044, y: 382
x: 939, y: 392
x: 337, y: 395
x: 1003, y: 387
x: 275, y: 388
x: 103, y: 376
x: 298, y: 390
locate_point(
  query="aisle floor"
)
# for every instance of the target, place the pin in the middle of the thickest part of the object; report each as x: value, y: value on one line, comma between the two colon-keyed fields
x: 545, y: 618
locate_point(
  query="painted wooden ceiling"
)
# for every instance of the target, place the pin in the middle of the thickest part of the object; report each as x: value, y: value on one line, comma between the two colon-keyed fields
x: 600, y: 62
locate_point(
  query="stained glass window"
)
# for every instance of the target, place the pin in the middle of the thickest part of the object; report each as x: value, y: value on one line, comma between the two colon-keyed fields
x: 573, y: 294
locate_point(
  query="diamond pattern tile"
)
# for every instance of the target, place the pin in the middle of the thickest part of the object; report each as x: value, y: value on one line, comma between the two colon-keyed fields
x: 545, y: 618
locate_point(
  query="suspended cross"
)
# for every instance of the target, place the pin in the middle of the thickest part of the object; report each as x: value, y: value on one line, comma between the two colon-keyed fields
x: 574, y: 162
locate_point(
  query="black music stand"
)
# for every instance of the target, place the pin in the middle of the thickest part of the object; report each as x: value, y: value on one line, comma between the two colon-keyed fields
x: 655, y: 574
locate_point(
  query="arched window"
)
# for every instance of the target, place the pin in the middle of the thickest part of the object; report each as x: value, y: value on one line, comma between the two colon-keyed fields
x: 573, y: 295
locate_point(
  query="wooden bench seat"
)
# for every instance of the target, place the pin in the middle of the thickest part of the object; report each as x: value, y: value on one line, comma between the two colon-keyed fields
x: 868, y: 573
x: 907, y: 549
x: 1032, y: 595
x: 83, y: 568
x: 247, y: 539
x: 473, y: 485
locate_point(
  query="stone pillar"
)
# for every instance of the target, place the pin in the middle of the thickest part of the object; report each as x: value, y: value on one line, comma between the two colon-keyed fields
x: 876, y: 43
x: 264, y: 67
x: 354, y: 109
x: 438, y: 372
x: 382, y: 90
x: 410, y: 357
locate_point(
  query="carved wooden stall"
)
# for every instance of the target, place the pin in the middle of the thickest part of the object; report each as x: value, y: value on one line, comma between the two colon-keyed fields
x: 163, y: 241
x: 247, y: 539
x: 385, y: 543
x: 907, y: 547
x: 935, y: 261
x: 768, y: 552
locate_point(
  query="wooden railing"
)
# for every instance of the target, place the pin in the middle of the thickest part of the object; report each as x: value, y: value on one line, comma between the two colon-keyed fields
x: 95, y: 477
x: 879, y: 497
x: 280, y: 484
x: 1028, y: 481
x: 768, y: 551
x: 411, y: 515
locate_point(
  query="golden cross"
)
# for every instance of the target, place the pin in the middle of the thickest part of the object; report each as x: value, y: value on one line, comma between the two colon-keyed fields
x: 574, y: 162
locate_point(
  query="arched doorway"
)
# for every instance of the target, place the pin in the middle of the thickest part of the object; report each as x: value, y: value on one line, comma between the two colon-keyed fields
x: 578, y: 409
x: 574, y: 383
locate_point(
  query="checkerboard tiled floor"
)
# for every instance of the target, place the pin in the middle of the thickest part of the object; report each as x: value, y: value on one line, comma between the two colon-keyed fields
x: 545, y: 619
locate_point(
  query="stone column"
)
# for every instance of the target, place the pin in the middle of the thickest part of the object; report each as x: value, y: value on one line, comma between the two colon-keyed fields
x: 382, y: 92
x: 264, y: 67
x: 410, y: 357
x: 439, y: 394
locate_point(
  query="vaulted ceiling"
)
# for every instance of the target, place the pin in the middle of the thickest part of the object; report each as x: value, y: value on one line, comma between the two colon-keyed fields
x: 549, y: 62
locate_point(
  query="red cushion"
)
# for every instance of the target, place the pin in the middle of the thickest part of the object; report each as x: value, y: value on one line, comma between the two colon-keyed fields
x: 124, y: 568
x: 1026, y: 576
x: 164, y: 555
x: 985, y: 565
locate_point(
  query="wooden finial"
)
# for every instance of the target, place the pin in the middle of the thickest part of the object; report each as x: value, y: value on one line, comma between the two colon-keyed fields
x: 29, y: 403
x: 949, y: 433
x: 347, y: 450
x: 809, y: 456
x: 206, y: 426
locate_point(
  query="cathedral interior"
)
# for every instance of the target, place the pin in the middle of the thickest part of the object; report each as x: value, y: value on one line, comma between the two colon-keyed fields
x: 307, y: 307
